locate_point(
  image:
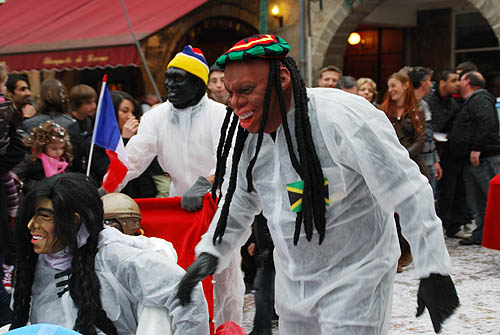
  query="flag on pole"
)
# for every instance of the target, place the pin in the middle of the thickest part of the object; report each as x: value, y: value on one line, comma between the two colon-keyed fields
x: 107, y: 135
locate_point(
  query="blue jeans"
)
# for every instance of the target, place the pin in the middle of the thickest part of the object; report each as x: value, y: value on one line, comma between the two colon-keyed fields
x: 477, y: 183
x: 264, y: 300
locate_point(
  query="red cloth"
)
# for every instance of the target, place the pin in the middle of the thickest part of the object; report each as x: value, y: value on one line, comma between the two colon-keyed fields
x: 230, y: 328
x: 491, y: 229
x: 165, y: 218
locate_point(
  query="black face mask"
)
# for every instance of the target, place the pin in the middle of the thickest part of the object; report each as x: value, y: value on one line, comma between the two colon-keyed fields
x: 184, y: 89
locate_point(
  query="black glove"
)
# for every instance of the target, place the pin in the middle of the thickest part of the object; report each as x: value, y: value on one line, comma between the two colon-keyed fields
x: 201, y: 268
x: 438, y: 294
x: 192, y: 200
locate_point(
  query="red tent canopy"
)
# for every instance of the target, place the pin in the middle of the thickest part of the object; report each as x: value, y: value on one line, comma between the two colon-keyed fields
x: 55, y: 34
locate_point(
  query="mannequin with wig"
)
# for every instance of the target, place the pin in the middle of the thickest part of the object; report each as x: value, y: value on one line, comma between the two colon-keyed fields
x: 97, y: 277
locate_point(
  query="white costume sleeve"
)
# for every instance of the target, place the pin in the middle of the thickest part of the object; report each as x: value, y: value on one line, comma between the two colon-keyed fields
x: 372, y: 148
x: 142, y: 147
x: 153, y: 281
x: 244, y: 207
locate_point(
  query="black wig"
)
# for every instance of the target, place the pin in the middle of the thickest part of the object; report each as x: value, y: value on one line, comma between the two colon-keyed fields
x: 307, y: 166
x: 70, y: 193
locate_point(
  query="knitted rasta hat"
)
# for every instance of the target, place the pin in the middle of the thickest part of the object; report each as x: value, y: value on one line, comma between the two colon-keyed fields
x: 191, y: 60
x: 262, y: 46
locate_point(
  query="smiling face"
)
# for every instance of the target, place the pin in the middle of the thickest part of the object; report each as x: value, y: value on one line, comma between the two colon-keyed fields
x: 55, y: 149
x: 42, y: 229
x: 329, y: 79
x: 246, y: 83
x: 397, y: 90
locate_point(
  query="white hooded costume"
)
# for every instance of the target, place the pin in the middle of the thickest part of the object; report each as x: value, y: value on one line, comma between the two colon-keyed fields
x: 344, y: 285
x: 139, y: 280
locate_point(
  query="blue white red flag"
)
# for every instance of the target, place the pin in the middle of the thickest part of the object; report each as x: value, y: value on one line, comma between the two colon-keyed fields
x: 107, y: 135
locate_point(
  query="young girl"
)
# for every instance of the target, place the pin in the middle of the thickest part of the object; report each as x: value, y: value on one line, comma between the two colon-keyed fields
x: 50, y: 153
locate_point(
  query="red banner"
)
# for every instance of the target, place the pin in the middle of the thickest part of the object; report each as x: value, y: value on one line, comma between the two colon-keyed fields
x: 74, y: 59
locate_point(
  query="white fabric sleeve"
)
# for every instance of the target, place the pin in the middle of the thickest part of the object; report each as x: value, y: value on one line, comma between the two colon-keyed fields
x: 142, y: 147
x: 373, y: 150
x: 153, y: 280
x: 244, y: 207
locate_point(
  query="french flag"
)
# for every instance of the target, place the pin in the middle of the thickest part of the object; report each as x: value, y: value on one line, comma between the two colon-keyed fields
x: 107, y: 135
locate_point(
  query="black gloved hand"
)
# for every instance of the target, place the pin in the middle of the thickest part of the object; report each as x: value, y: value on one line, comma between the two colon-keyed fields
x: 201, y: 268
x: 192, y: 200
x: 438, y: 294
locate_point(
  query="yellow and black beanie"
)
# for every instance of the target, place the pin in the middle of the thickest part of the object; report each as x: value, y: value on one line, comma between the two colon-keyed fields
x: 191, y: 60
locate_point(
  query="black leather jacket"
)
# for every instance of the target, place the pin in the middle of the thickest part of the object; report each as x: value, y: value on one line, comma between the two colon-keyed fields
x: 476, y: 127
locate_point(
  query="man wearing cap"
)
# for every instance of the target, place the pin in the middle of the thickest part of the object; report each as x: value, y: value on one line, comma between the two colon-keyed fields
x: 184, y: 132
x: 329, y: 184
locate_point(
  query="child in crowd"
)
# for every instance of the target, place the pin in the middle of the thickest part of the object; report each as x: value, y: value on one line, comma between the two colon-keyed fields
x: 50, y: 153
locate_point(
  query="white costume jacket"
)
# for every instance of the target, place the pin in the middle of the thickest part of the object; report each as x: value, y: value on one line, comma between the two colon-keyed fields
x: 131, y: 279
x: 345, y: 284
x: 185, y: 141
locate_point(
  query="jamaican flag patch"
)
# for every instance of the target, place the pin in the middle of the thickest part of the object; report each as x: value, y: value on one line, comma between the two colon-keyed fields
x: 295, y: 191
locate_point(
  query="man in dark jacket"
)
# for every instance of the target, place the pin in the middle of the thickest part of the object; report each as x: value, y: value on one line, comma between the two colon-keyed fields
x: 475, y: 140
x: 451, y: 204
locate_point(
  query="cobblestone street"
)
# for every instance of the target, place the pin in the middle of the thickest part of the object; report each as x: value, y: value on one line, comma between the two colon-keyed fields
x: 476, y: 272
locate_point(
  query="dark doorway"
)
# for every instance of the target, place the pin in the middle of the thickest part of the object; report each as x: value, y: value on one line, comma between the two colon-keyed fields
x: 216, y: 35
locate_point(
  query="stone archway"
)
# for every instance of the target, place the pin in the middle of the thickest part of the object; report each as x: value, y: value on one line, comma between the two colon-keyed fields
x: 336, y: 21
x: 162, y: 46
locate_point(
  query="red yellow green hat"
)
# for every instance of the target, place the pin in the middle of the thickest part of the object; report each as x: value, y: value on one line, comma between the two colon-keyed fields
x: 263, y: 46
x: 191, y: 60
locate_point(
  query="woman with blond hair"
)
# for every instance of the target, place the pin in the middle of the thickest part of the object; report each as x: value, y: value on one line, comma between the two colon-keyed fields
x: 367, y: 88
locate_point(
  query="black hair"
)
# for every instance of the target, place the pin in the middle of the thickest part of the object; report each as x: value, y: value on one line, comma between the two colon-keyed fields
x: 443, y: 75
x: 70, y: 193
x: 418, y: 74
x: 307, y: 166
x: 465, y: 67
x: 118, y: 96
x: 13, y: 79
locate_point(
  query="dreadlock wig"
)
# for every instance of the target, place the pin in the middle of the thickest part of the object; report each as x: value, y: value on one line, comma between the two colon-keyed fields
x: 70, y: 193
x: 274, y: 49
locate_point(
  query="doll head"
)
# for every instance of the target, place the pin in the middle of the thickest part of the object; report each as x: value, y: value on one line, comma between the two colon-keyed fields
x: 51, y: 139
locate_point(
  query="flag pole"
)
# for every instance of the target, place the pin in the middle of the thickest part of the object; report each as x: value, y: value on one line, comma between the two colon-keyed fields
x: 98, y: 114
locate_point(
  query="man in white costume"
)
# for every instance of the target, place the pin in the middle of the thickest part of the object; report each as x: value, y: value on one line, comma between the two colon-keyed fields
x: 184, y: 132
x: 330, y: 162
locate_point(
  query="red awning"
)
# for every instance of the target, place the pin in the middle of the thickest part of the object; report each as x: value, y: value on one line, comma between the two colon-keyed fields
x: 55, y: 34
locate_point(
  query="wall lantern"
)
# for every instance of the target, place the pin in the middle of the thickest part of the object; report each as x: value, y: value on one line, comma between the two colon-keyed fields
x: 354, y: 38
x: 275, y: 12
